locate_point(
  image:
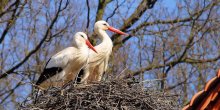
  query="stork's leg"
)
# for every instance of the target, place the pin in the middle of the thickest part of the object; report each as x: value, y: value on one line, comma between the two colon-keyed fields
x: 35, y: 98
x: 78, y: 79
x: 100, y: 72
x: 84, y: 78
x: 39, y: 92
x: 104, y: 76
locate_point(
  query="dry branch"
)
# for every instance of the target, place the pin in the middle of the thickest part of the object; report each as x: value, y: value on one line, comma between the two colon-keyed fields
x: 102, y: 96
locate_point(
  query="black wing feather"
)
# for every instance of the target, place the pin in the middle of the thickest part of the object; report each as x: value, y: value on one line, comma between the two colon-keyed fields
x: 48, y: 73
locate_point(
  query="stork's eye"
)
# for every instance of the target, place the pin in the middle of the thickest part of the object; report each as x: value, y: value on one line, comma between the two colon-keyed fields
x: 105, y: 24
x: 82, y: 36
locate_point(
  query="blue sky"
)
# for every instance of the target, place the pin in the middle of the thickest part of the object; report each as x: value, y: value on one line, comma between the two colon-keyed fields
x: 170, y: 4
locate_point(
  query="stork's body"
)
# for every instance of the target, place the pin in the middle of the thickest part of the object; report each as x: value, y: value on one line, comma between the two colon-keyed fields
x: 65, y: 65
x: 98, y: 63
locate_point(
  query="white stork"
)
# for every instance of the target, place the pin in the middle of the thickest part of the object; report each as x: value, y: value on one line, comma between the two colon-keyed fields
x: 98, y: 63
x: 66, y: 64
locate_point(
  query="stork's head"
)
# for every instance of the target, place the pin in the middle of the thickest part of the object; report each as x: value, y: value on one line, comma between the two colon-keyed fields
x: 103, y: 25
x: 81, y: 39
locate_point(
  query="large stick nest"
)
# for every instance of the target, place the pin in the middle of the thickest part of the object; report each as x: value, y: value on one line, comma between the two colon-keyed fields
x: 118, y: 95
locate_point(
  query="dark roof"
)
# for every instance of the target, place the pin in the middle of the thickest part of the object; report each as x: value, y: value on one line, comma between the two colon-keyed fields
x: 208, y: 98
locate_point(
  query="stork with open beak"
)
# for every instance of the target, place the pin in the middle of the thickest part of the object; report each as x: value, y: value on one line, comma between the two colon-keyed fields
x: 66, y: 64
x: 98, y: 63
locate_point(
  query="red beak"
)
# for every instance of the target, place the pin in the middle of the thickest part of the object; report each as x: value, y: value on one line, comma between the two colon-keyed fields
x: 116, y: 31
x: 90, y: 46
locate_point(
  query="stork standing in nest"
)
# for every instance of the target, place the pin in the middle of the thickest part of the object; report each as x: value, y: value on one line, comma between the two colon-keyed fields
x: 98, y: 63
x: 66, y: 64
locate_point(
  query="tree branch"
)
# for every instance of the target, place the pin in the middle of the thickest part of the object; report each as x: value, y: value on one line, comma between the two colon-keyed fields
x: 88, y: 12
x: 113, y: 13
x: 142, y: 7
x: 38, y: 46
x: 101, y: 9
x: 9, y: 9
x: 11, y: 92
x: 12, y: 20
x: 172, y: 63
x: 119, y: 42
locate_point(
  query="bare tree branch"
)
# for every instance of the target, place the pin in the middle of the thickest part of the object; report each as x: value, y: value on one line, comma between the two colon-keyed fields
x: 118, y: 43
x: 9, y: 9
x: 113, y: 13
x: 171, y: 64
x: 60, y: 9
x: 9, y: 93
x: 142, y: 7
x: 101, y: 8
x: 88, y: 14
x: 11, y: 22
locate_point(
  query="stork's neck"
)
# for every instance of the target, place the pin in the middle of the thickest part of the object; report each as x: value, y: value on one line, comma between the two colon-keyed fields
x: 105, y: 39
x: 104, y: 49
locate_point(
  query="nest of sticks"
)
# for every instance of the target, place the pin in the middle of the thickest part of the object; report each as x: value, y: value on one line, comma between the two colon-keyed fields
x: 117, y: 95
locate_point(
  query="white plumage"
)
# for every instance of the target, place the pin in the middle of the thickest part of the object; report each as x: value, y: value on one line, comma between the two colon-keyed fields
x: 65, y: 65
x: 98, y: 63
